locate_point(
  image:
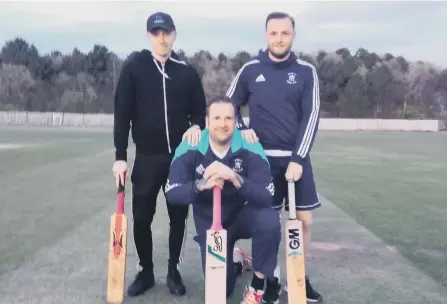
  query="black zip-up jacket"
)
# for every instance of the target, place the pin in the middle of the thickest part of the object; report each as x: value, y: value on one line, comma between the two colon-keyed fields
x: 159, y: 102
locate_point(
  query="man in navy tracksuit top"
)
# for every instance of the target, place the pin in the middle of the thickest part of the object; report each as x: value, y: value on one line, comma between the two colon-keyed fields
x: 282, y: 94
x: 224, y: 159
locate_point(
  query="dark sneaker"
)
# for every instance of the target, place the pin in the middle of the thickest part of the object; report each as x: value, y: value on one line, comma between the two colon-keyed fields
x: 272, y: 292
x: 174, y: 282
x: 311, y: 294
x: 144, y: 280
x: 239, y: 256
x: 231, y: 281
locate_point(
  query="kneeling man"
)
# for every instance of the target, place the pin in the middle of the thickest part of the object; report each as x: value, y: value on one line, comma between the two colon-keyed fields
x: 226, y: 160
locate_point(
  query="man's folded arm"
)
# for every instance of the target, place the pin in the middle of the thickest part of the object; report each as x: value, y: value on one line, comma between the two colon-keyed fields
x: 180, y: 187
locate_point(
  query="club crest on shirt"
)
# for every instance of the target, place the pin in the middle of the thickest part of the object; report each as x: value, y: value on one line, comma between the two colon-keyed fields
x: 292, y: 77
x: 237, y: 165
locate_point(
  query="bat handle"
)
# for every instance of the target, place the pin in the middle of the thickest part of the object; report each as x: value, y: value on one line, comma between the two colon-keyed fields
x: 217, y: 209
x: 292, y: 202
x: 120, y: 187
x: 120, y: 198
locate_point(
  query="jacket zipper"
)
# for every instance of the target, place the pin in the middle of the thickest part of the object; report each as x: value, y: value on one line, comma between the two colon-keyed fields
x: 166, y: 108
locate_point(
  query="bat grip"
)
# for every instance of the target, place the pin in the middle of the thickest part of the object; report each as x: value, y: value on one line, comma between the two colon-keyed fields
x: 120, y: 198
x: 292, y: 202
x: 217, y: 209
x: 120, y: 186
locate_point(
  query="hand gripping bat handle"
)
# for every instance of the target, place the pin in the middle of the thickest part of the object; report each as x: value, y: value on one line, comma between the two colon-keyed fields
x: 120, y: 198
x: 217, y: 209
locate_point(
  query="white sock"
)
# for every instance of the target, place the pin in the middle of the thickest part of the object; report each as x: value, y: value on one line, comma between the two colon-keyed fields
x: 277, y: 273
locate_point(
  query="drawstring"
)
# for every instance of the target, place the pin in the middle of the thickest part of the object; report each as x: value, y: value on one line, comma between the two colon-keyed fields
x: 161, y: 72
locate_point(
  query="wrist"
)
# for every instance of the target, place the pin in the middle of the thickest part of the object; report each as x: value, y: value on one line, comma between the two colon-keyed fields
x: 238, y: 180
x: 233, y: 177
x: 297, y: 159
x: 121, y: 155
x: 195, y: 127
x: 198, y: 185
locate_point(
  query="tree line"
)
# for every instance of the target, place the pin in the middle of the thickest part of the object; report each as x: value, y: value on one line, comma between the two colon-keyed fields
x: 352, y: 85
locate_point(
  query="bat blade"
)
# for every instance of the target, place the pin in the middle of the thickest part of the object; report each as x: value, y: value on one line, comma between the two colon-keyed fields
x: 295, y: 268
x: 216, y: 258
x: 117, y: 252
x: 295, y: 264
x: 216, y: 267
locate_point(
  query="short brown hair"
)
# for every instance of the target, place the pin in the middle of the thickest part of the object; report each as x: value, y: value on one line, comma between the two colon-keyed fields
x: 221, y: 99
x: 279, y: 15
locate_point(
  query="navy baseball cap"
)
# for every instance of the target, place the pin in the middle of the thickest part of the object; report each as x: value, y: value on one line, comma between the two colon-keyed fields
x: 160, y: 20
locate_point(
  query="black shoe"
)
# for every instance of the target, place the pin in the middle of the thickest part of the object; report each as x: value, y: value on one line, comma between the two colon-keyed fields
x: 144, y: 280
x: 272, y: 292
x: 237, y: 267
x: 312, y: 295
x: 231, y: 281
x: 174, y: 282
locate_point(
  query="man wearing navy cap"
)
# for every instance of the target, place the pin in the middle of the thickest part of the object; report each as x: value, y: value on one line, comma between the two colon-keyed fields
x: 161, y: 100
x: 160, y: 21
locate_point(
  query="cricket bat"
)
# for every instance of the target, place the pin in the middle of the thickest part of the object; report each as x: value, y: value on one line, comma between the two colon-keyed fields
x: 117, y: 250
x: 296, y: 283
x: 216, y: 256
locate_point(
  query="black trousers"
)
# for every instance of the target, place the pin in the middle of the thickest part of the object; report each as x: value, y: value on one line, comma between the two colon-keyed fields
x: 149, y: 175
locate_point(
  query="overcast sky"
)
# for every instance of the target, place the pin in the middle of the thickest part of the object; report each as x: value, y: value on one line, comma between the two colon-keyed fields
x: 416, y: 30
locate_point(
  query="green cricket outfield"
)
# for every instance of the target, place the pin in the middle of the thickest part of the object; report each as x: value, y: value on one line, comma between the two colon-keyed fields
x: 378, y: 238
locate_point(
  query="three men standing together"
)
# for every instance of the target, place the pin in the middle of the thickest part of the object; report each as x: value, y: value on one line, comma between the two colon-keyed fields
x: 162, y: 101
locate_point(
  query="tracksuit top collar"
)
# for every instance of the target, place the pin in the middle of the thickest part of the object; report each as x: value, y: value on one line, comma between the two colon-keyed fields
x: 204, y: 144
x: 263, y: 57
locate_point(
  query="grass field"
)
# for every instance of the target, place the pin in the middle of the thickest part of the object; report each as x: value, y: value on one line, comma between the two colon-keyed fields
x: 377, y: 239
x: 393, y: 184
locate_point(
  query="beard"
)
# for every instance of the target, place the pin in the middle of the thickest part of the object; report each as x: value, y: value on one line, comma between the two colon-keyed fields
x: 220, y: 142
x: 280, y: 55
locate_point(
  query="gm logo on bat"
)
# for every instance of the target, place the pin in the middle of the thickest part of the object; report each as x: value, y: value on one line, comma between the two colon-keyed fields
x: 294, y: 241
